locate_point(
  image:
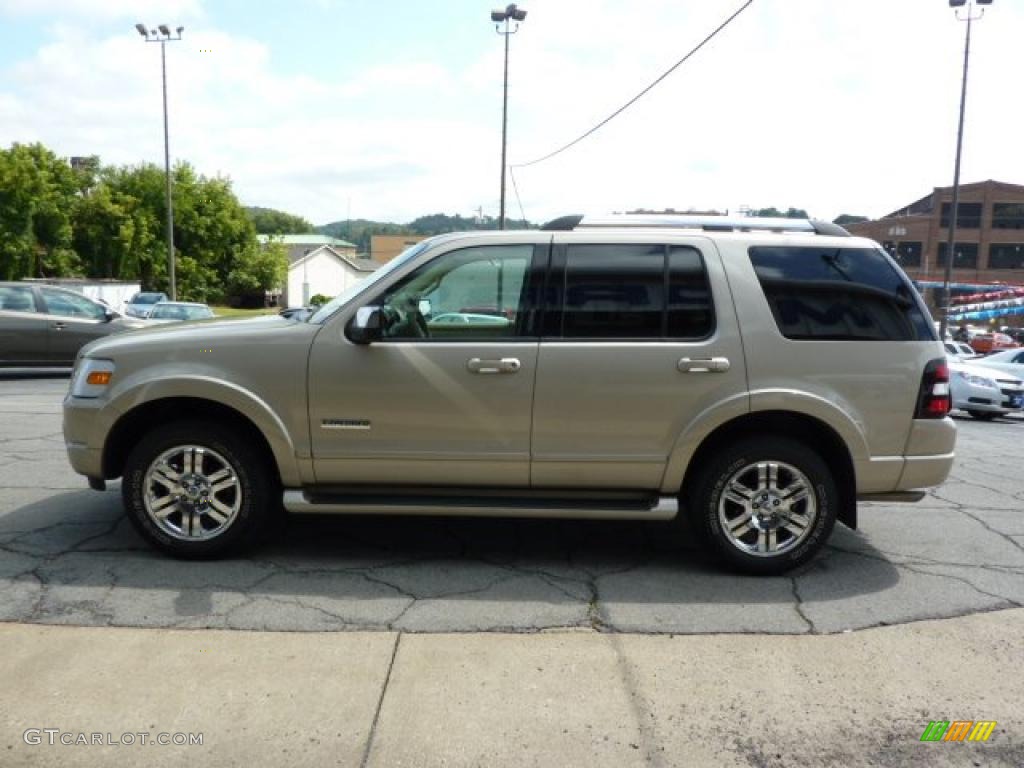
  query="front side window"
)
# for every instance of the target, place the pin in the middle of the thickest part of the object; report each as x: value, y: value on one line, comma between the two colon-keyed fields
x: 69, y: 304
x: 463, y: 295
x: 16, y: 298
x: 842, y: 294
x: 635, y: 292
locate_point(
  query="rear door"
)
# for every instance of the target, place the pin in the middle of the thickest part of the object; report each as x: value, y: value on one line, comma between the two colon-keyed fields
x: 639, y: 339
x: 23, y: 330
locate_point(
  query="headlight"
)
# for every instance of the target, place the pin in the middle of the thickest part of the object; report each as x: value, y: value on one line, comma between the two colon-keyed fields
x: 978, y: 381
x: 91, y: 377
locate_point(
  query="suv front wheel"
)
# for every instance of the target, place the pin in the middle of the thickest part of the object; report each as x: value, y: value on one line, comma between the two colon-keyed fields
x: 197, y: 490
x: 766, y: 504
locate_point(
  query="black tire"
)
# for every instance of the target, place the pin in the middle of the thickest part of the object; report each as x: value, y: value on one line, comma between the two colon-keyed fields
x: 256, y: 486
x: 706, y: 491
x: 983, y: 415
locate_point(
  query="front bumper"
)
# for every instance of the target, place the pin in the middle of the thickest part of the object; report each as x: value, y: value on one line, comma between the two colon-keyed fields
x: 83, y: 435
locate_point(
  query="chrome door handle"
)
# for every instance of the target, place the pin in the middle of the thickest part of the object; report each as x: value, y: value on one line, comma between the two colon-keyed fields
x: 703, y: 364
x: 504, y: 365
x: 58, y: 326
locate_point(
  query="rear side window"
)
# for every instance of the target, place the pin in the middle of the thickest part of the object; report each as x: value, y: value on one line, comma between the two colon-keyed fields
x: 635, y: 292
x: 841, y: 294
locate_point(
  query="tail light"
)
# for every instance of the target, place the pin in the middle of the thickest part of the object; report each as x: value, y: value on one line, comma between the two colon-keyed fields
x: 934, y: 402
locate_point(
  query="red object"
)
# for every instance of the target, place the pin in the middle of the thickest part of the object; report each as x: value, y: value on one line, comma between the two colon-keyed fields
x: 934, y: 400
x: 983, y: 343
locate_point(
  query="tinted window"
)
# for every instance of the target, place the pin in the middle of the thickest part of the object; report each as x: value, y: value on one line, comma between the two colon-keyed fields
x: 614, y: 291
x: 968, y: 215
x: 1008, y: 215
x: 965, y: 255
x: 690, y: 312
x: 15, y: 298
x: 1006, y: 256
x: 838, y: 293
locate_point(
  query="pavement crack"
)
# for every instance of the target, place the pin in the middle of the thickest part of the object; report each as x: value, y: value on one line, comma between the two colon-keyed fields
x: 380, y: 703
x: 799, y: 606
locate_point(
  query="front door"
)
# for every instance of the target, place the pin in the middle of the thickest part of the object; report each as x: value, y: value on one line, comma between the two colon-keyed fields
x: 445, y: 398
x: 74, y: 321
x: 640, y: 339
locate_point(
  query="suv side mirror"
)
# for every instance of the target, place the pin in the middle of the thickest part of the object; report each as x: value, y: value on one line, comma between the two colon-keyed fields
x: 109, y: 314
x: 367, y: 326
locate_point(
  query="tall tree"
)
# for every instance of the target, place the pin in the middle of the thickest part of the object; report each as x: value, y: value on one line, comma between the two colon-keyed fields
x: 269, y: 221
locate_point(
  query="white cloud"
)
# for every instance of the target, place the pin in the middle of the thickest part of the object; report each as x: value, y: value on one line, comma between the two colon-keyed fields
x: 105, y: 9
x: 831, y: 107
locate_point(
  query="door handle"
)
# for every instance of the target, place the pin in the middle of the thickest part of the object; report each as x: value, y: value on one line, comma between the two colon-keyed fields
x: 59, y: 326
x: 703, y: 364
x: 504, y: 365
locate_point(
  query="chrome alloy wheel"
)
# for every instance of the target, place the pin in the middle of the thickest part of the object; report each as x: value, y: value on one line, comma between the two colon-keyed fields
x: 767, y: 508
x: 192, y: 493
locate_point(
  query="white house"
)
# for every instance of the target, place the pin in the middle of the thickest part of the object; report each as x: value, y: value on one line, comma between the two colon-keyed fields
x: 325, y: 271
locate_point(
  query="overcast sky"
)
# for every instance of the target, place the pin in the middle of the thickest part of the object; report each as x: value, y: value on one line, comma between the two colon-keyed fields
x: 389, y: 110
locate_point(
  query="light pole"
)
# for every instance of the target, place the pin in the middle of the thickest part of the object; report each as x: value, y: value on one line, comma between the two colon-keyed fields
x: 511, y: 13
x: 162, y: 35
x: 954, y: 206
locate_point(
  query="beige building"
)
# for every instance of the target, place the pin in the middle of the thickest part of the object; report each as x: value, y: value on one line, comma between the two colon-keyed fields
x: 989, y: 243
x: 383, y: 248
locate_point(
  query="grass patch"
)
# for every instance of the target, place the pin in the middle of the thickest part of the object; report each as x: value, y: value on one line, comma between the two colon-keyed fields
x: 235, y: 312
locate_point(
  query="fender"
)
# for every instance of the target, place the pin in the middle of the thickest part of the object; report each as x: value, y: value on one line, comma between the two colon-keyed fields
x: 831, y: 413
x: 135, y: 392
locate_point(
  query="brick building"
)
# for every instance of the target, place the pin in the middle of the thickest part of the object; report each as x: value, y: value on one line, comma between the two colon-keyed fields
x: 989, y: 234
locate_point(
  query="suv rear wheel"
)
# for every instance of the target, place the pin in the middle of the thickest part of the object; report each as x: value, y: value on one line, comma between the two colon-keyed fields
x: 766, y: 504
x: 197, y: 489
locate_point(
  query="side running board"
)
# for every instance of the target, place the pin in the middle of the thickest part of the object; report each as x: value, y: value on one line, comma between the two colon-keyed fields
x: 652, y: 508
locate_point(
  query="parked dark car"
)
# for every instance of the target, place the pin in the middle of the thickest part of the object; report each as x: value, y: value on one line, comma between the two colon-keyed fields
x: 44, y: 326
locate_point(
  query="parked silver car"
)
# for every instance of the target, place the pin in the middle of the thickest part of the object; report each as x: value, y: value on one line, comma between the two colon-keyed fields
x: 177, y: 312
x: 984, y: 392
x: 43, y: 326
x: 757, y: 375
x: 142, y: 303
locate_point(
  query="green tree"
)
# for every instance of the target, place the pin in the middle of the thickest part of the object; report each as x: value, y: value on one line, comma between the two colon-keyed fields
x: 259, y: 270
x: 775, y: 213
x: 37, y: 192
x: 848, y: 218
x: 269, y: 221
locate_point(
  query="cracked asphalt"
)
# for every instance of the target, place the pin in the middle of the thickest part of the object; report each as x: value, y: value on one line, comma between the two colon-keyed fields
x: 68, y: 556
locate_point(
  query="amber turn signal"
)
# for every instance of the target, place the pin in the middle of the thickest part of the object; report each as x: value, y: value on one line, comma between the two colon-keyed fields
x: 99, y: 378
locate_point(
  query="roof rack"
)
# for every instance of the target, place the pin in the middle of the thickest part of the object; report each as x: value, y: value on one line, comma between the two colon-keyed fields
x: 704, y: 223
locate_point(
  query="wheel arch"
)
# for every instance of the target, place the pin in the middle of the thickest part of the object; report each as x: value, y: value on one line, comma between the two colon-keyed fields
x: 807, y: 429
x: 132, y: 425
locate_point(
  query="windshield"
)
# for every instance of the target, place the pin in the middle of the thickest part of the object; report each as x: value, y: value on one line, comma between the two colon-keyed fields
x: 148, y: 298
x: 345, y: 296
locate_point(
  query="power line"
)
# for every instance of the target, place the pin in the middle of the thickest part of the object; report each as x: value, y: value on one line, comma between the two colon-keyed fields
x: 522, y: 214
x: 642, y: 93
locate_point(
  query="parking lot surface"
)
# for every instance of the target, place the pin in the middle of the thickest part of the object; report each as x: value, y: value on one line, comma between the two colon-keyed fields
x: 68, y: 556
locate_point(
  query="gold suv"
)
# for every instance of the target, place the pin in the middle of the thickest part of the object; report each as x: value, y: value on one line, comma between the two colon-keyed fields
x: 757, y: 375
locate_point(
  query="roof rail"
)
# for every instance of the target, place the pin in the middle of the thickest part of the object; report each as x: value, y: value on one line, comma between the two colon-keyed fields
x: 705, y: 223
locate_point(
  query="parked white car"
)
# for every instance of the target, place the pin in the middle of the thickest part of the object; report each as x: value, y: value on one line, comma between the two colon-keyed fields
x: 958, y: 350
x: 142, y: 303
x: 1008, y: 361
x: 984, y: 392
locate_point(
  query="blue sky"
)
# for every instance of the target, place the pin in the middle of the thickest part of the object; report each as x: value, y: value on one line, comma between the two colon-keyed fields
x: 392, y: 109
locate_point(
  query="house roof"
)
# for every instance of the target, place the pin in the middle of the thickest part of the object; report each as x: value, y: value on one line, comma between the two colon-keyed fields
x: 927, y: 203
x: 310, y: 239
x: 359, y: 265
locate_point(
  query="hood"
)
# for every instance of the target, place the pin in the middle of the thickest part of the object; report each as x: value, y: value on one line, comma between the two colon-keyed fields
x: 980, y: 370
x: 152, y: 336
